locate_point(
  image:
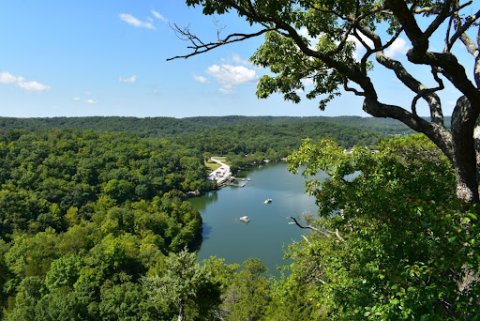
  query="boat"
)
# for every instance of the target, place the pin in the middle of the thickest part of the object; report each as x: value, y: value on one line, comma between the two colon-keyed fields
x: 244, y: 219
x: 267, y: 201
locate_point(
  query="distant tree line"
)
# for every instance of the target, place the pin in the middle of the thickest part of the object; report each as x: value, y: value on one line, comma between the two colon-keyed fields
x: 246, y: 141
x: 166, y: 126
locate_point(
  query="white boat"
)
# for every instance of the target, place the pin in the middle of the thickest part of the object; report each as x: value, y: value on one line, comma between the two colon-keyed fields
x: 267, y: 201
x: 244, y: 219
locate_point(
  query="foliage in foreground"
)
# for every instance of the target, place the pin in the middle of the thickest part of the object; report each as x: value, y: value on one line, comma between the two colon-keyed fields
x: 404, y: 251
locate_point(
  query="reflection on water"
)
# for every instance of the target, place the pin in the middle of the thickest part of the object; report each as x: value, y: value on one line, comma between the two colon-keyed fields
x: 268, y: 231
x: 206, y: 231
x: 201, y: 203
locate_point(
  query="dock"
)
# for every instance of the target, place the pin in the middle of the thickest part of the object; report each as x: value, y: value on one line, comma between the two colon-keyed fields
x: 238, y: 182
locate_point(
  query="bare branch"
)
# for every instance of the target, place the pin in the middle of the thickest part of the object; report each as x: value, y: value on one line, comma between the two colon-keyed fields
x: 199, y: 47
x: 378, y: 45
x: 321, y: 231
x: 447, y: 36
x: 309, y: 227
x: 337, y: 234
x: 437, y: 133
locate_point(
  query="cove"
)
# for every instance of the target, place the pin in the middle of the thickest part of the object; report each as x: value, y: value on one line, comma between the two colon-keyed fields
x: 269, y: 232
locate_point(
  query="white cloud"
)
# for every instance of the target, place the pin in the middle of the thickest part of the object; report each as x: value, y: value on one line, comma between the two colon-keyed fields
x: 399, y: 46
x: 135, y: 22
x: 159, y: 16
x: 91, y: 101
x: 7, y: 78
x: 230, y: 76
x: 32, y: 86
x: 200, y: 79
x: 10, y: 79
x: 129, y: 80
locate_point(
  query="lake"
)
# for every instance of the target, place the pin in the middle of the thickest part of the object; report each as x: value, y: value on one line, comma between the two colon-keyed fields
x: 269, y: 231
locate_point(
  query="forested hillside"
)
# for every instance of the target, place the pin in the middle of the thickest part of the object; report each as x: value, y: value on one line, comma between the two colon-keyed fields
x: 245, y: 141
x: 164, y: 126
x: 84, y: 215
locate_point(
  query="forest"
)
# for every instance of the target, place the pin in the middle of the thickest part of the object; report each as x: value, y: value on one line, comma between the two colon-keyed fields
x: 246, y: 141
x: 96, y: 226
x: 91, y: 209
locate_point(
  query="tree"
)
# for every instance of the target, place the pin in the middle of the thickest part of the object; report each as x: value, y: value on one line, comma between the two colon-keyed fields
x: 248, y: 294
x: 181, y: 285
x: 390, y: 243
x: 331, y: 63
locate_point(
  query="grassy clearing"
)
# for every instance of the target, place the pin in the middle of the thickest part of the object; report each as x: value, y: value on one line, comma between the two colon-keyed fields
x: 213, y: 165
x: 222, y: 159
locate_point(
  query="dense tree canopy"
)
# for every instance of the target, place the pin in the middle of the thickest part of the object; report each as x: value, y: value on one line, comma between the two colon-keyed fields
x: 245, y: 141
x: 391, y: 243
x: 330, y: 62
x: 49, y: 178
x: 85, y: 216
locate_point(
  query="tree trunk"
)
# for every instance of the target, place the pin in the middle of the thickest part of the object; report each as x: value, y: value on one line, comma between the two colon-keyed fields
x: 180, y: 312
x: 464, y: 151
x: 476, y: 137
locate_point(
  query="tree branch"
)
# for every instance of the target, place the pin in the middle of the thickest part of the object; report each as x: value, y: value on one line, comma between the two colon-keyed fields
x: 477, y: 62
x: 350, y: 89
x: 447, y: 63
x: 460, y: 33
x: 433, y: 100
x: 200, y: 47
x: 321, y: 231
x: 407, y: 20
x: 436, y: 132
x: 444, y: 13
x: 417, y: 87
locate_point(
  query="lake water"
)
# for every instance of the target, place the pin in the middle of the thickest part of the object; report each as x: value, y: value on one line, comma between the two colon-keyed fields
x: 269, y: 231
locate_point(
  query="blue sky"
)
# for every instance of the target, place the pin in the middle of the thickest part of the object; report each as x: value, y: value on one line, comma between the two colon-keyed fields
x: 108, y: 57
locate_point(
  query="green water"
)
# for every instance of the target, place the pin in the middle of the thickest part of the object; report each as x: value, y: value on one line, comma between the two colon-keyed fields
x: 269, y: 231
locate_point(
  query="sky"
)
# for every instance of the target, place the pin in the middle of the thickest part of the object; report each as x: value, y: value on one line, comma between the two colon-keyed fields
x: 109, y: 58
